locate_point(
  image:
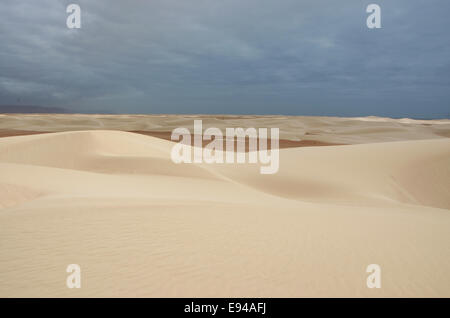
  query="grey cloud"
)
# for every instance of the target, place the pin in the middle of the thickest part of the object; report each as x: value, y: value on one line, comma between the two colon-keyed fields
x: 253, y: 56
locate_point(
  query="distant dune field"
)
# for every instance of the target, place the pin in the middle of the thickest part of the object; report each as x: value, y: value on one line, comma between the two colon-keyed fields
x: 89, y: 190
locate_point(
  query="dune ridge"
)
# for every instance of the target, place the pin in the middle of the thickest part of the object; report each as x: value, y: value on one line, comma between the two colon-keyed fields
x: 331, y: 130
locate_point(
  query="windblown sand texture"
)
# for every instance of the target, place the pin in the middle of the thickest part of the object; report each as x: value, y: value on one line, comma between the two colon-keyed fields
x: 85, y: 189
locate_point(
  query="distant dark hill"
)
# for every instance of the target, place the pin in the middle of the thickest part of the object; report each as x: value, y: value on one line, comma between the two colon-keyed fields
x: 30, y: 109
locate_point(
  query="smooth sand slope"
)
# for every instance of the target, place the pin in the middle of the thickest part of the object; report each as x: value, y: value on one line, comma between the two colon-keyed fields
x: 140, y: 225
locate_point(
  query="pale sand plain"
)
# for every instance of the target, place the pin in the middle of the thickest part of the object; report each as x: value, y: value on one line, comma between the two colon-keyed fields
x: 90, y: 192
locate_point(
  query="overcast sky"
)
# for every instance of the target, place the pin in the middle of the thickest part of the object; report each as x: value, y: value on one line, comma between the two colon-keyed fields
x: 299, y: 57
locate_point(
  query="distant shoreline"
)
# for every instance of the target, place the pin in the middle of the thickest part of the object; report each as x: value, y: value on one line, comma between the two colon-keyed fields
x: 219, y: 115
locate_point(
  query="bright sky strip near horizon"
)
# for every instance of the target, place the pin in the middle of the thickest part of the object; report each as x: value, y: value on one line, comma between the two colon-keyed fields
x: 292, y: 57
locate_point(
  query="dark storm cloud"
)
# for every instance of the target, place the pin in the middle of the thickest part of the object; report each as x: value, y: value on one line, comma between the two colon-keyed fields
x: 207, y: 56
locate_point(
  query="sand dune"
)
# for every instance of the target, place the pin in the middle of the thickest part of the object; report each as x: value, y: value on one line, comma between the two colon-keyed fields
x: 140, y: 225
x: 335, y: 130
